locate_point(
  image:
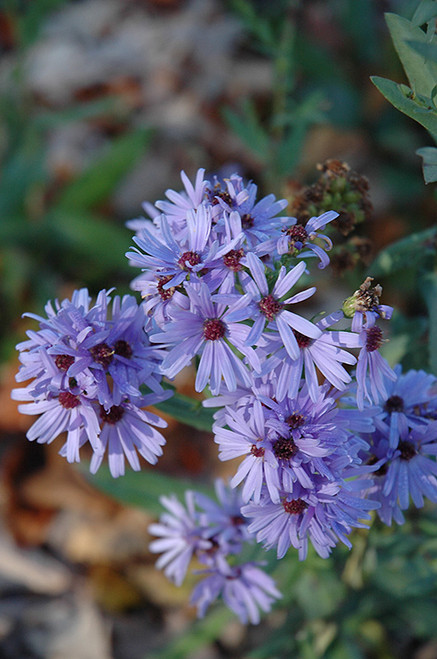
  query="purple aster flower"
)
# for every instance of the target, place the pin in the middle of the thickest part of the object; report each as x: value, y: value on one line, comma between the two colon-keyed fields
x: 412, y: 470
x: 176, y: 258
x: 310, y: 437
x: 222, y: 519
x: 297, y: 237
x: 258, y: 219
x: 126, y: 430
x: 88, y: 368
x: 408, y: 403
x: 245, y: 589
x: 322, y: 515
x: 325, y: 353
x: 205, y: 330
x: 67, y: 412
x: 372, y: 369
x: 247, y: 435
x: 211, y: 532
x: 180, y: 536
x: 270, y: 307
x: 180, y: 203
x: 408, y: 471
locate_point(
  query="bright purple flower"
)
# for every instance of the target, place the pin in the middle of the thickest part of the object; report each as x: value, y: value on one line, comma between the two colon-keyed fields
x: 222, y: 519
x: 67, y: 412
x: 323, y: 515
x: 245, y: 589
x: 180, y: 535
x: 178, y: 204
x: 268, y: 307
x: 247, y: 435
x: 126, y: 430
x: 372, y: 369
x: 410, y: 402
x: 412, y: 469
x: 325, y: 353
x: 88, y: 366
x: 297, y: 237
x: 205, y: 330
x: 258, y: 219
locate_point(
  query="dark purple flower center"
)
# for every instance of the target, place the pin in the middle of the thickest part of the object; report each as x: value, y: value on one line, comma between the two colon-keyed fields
x: 63, y: 362
x: 295, y: 420
x: 257, y: 451
x: 302, y: 340
x: 237, y: 520
x: 214, y: 329
x: 294, y: 507
x: 407, y: 450
x: 225, y: 196
x: 382, y: 469
x: 68, y: 400
x: 113, y: 415
x: 247, y: 221
x: 297, y: 234
x: 269, y: 306
x: 122, y: 348
x: 102, y: 354
x: 284, y: 448
x: 232, y: 259
x: 374, y: 338
x: 192, y: 258
x: 165, y: 293
x: 394, y: 404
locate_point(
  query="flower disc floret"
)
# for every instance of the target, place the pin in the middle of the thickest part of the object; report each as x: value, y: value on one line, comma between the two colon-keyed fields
x: 295, y: 506
x: 374, y: 338
x: 68, y: 400
x: 214, y: 329
x: 270, y: 307
x: 63, y: 362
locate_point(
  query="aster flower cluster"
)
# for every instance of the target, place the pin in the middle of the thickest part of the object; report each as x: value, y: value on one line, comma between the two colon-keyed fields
x: 403, y: 446
x: 92, y: 371
x: 325, y: 430
x: 213, y: 534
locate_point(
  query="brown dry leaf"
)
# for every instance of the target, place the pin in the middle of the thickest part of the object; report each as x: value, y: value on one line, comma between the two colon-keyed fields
x: 101, y: 538
x: 157, y: 588
x: 112, y: 590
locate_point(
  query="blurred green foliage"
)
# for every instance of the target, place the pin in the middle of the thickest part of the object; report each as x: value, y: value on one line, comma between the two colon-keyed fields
x: 54, y: 233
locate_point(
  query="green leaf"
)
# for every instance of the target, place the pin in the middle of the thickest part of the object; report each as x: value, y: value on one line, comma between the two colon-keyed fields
x: 429, y: 289
x: 421, y: 74
x: 189, y: 411
x: 100, y: 244
x: 141, y: 489
x: 256, y: 23
x: 426, y: 49
x: 429, y: 166
x: 408, y: 251
x: 200, y: 634
x: 29, y: 21
x: 417, y: 107
x: 249, y: 129
x: 425, y: 11
x: 81, y: 112
x: 97, y: 183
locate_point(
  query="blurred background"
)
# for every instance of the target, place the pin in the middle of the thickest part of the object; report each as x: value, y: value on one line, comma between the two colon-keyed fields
x: 102, y: 104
